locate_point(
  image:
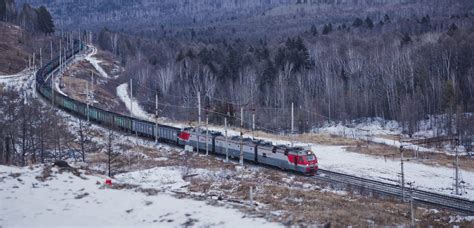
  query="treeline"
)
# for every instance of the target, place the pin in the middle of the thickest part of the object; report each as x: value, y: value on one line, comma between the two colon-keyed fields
x: 32, y: 19
x: 400, y: 68
x: 338, y: 76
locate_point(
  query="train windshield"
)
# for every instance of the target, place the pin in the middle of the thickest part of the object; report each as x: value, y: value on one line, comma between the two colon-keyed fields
x: 310, y: 157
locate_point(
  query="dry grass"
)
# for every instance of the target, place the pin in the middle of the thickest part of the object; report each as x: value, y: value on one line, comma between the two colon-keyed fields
x: 309, y: 206
x: 299, y: 200
x: 75, y: 81
x: 428, y: 158
x: 109, y: 62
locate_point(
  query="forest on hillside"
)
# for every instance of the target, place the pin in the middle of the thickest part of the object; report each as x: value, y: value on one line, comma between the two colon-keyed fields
x: 333, y: 60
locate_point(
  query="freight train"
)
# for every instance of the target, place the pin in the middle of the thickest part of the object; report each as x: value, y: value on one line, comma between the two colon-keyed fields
x: 257, y: 151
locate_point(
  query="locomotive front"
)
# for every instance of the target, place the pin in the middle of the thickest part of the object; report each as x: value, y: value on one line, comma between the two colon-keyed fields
x: 311, y: 162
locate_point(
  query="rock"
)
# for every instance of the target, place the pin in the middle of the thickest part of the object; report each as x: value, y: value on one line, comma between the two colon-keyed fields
x: 61, y: 164
x: 80, y: 196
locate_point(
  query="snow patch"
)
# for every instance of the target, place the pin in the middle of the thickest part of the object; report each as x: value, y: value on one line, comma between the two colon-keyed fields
x: 425, y: 177
x: 67, y: 200
x: 23, y: 81
x: 137, y: 110
x: 96, y: 63
x: 166, y: 178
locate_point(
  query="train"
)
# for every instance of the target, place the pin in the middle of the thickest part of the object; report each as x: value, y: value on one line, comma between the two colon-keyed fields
x: 296, y: 159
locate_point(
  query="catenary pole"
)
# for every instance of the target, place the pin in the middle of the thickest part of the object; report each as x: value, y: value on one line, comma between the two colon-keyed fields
x: 402, y: 174
x: 131, y: 97
x: 241, y: 136
x: 199, y: 120
x: 156, y: 118
x: 207, y: 134
x: 226, y: 143
x: 292, y: 121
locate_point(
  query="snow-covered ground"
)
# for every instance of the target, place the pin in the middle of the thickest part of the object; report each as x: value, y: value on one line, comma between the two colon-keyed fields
x: 66, y: 200
x: 137, y: 110
x: 96, y: 63
x: 23, y: 81
x: 336, y: 158
x: 425, y: 177
x: 371, y: 129
x: 57, y: 81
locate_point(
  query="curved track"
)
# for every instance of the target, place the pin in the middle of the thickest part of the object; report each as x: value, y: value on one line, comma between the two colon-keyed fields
x: 451, y: 202
x: 455, y: 203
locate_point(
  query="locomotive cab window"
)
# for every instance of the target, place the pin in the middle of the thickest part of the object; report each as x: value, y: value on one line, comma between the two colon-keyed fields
x: 310, y: 157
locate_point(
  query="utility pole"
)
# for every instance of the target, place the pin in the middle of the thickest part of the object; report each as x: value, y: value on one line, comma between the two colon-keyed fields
x: 199, y: 120
x: 92, y: 81
x: 241, y: 136
x: 60, y: 56
x: 131, y: 97
x: 253, y: 124
x: 207, y: 134
x: 402, y: 174
x: 412, y: 210
x: 226, y: 144
x: 156, y: 118
x: 52, y: 89
x: 34, y: 82
x: 251, y: 196
x: 64, y: 59
x: 456, y: 169
x: 51, y: 49
x: 41, y: 58
x: 292, y: 121
x: 87, y: 100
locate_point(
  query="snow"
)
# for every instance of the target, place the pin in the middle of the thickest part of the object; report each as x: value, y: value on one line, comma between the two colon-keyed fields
x: 57, y: 81
x: 369, y: 130
x: 23, y: 81
x: 137, y: 110
x: 430, y: 178
x: 67, y: 200
x: 96, y: 63
x: 336, y: 158
x: 165, y: 178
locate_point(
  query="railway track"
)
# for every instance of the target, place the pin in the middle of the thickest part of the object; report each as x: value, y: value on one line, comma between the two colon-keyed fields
x: 451, y: 202
x: 420, y: 196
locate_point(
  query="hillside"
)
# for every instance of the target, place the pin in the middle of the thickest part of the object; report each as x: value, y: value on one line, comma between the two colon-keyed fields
x: 224, y: 16
x: 14, y: 57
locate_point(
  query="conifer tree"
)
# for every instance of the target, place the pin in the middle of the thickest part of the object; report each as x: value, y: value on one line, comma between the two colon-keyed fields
x: 369, y: 23
x: 45, y: 21
x: 314, y: 30
x: 3, y: 10
x: 357, y: 22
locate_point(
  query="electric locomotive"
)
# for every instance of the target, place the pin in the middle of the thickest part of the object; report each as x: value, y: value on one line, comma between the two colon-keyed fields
x: 298, y: 159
